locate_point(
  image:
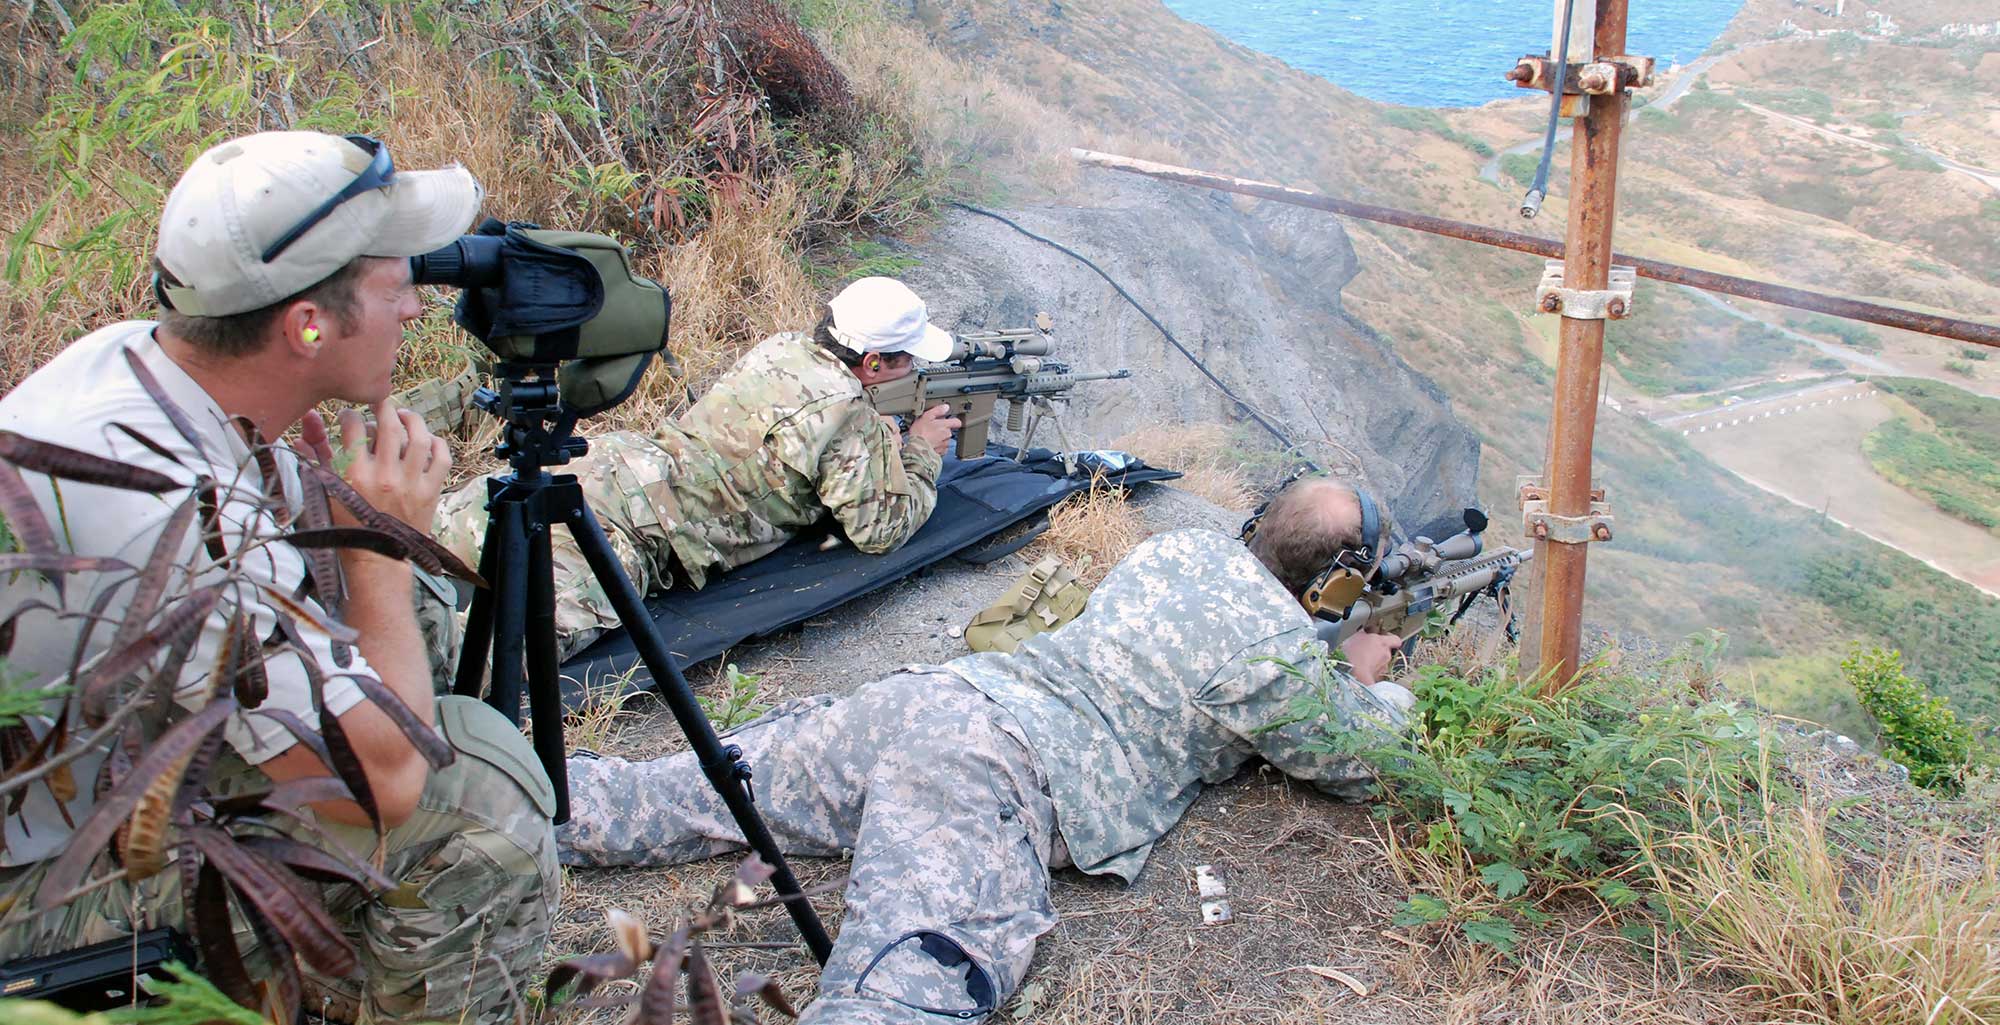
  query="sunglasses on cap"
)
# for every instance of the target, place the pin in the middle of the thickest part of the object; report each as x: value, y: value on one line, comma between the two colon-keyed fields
x: 380, y: 173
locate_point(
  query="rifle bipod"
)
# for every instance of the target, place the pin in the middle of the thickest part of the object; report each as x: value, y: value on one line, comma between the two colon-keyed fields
x: 513, y: 618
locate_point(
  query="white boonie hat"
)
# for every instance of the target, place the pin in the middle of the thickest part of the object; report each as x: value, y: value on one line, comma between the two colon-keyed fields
x: 883, y: 315
x: 250, y: 223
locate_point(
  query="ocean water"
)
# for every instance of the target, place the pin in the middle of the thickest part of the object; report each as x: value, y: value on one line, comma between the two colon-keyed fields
x: 1438, y: 53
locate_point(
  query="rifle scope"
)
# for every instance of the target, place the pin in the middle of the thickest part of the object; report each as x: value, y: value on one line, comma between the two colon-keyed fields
x: 993, y: 347
x: 1424, y: 555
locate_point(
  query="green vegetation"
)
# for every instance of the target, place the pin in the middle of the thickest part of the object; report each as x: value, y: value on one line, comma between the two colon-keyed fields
x: 1846, y: 332
x: 1957, y: 413
x: 1532, y: 794
x: 1910, y: 161
x: 1521, y: 167
x: 1955, y: 478
x: 1920, y: 730
x: 1801, y: 102
x: 1664, y: 356
x: 739, y: 703
x: 1821, y: 197
x: 1990, y: 209
x: 1947, y: 629
x: 1974, y: 354
x: 1424, y: 119
x: 1959, y: 367
x: 1882, y: 119
x: 1700, y: 100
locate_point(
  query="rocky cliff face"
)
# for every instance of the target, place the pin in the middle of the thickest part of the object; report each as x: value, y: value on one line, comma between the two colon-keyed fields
x: 1252, y: 290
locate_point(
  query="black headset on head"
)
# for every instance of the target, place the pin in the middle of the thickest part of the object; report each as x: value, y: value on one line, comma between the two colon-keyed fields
x: 1338, y: 586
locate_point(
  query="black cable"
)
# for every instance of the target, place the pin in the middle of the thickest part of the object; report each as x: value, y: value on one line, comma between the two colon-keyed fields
x: 1531, y: 204
x: 1247, y: 408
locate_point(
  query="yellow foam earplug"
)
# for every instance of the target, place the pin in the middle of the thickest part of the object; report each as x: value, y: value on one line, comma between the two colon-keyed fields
x: 311, y: 335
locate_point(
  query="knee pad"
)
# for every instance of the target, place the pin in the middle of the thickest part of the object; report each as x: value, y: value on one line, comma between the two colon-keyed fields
x: 477, y: 730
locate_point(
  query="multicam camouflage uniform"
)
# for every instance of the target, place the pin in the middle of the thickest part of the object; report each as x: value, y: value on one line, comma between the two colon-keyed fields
x: 784, y: 438
x: 958, y: 787
x: 475, y: 864
x: 462, y: 931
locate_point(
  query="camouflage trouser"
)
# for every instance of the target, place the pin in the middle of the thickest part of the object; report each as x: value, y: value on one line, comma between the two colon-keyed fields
x: 460, y: 936
x: 583, y: 610
x: 928, y: 782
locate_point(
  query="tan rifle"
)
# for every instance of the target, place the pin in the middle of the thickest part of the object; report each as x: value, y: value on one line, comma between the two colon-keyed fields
x: 985, y: 367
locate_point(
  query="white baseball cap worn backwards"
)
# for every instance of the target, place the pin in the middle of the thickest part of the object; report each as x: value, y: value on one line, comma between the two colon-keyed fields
x: 264, y: 217
x: 883, y: 315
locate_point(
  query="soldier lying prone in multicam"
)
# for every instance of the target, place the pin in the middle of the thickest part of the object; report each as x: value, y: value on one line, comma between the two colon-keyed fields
x: 958, y: 787
x: 783, y: 439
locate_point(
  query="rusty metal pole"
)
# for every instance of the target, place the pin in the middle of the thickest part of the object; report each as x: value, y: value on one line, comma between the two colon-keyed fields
x: 1558, y: 636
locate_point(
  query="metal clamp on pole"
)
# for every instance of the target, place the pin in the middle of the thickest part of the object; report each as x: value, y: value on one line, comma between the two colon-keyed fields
x: 1614, y: 302
x: 1539, y: 523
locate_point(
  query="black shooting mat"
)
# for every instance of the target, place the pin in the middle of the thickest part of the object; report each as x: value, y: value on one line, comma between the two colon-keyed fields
x: 977, y: 499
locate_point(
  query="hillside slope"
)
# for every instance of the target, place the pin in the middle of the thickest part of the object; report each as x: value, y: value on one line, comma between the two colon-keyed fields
x: 1699, y: 547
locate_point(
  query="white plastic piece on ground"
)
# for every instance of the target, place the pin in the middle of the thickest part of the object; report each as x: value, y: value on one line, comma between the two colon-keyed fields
x: 1208, y: 881
x: 1209, y: 885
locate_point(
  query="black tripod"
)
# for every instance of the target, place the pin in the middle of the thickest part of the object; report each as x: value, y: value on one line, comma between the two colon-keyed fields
x: 515, y: 615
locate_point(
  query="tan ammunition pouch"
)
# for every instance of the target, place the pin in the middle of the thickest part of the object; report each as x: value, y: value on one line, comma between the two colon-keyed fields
x: 1044, y: 598
x: 442, y: 403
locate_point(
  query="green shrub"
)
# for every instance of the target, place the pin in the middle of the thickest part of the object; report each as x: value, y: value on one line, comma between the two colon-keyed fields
x: 1800, y: 102
x: 1975, y: 355
x: 1520, y: 167
x: 1916, y: 162
x: 1959, y: 367
x: 1957, y: 478
x: 1535, y: 794
x: 1845, y: 331
x: 1920, y: 731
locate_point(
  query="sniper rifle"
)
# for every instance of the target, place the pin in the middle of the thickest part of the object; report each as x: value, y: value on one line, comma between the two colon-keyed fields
x: 983, y: 368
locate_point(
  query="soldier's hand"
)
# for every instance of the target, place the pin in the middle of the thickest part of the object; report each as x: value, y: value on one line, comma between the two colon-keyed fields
x: 400, y: 469
x: 1369, y: 654
x: 934, y: 427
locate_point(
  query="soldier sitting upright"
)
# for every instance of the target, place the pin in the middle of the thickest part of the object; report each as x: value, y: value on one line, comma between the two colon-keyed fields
x: 784, y: 438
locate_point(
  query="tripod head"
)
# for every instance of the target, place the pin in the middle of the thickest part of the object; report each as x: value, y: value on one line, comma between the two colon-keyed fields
x: 538, y: 425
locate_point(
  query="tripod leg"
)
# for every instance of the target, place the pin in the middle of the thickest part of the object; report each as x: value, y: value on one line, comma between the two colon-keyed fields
x: 729, y: 775
x: 544, y: 687
x: 473, y: 648
x: 510, y: 607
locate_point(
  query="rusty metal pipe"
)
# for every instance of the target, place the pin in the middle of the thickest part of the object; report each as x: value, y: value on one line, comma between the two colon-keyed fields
x: 1954, y: 328
x: 1579, y: 366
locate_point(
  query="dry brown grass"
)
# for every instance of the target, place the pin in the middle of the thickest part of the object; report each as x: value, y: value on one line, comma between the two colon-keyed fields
x: 1097, y: 525
x: 1916, y: 941
x: 1203, y: 453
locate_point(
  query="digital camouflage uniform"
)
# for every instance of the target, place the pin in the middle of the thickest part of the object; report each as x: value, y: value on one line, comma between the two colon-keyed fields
x: 958, y: 787
x: 475, y: 864
x: 784, y: 438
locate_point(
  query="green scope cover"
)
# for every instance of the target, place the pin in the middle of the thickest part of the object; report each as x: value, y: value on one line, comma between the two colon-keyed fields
x: 605, y: 356
x: 631, y: 320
